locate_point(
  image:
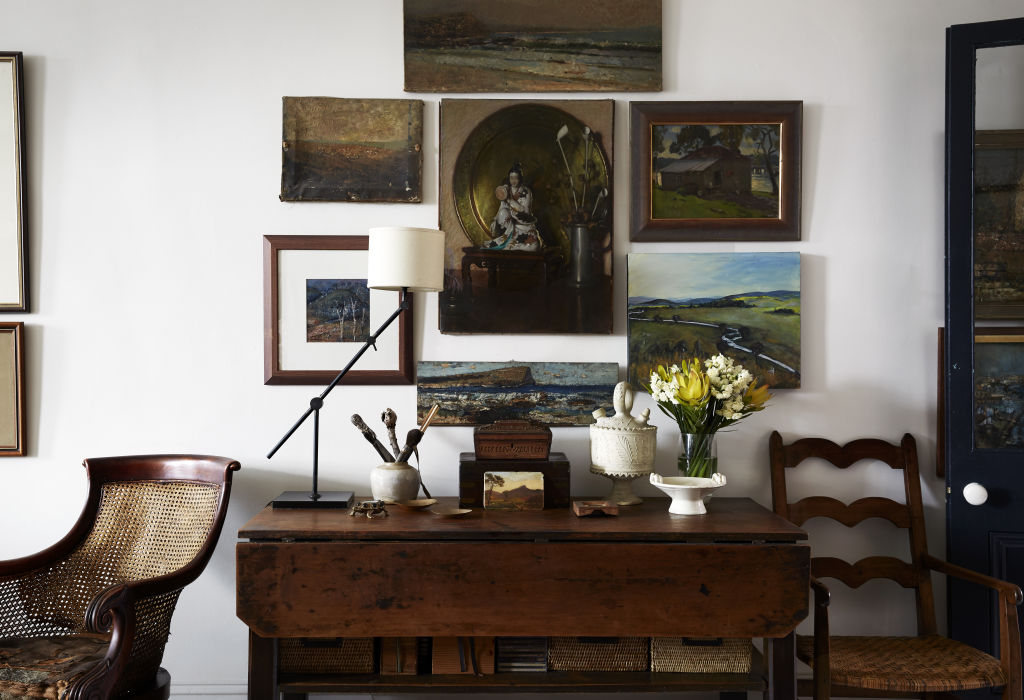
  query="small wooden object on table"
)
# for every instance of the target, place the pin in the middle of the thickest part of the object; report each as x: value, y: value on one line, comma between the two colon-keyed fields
x: 585, y: 508
x: 512, y: 439
x: 555, y: 470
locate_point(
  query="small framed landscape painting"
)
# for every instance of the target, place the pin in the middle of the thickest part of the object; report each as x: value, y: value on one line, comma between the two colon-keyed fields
x: 532, y: 46
x: 318, y: 311
x: 999, y: 224
x: 351, y: 150
x: 13, y: 233
x: 999, y: 388
x: 514, y: 490
x: 12, y: 390
x: 694, y: 305
x: 715, y: 171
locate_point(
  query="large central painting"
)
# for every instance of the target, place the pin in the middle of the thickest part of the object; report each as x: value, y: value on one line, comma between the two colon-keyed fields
x: 743, y: 305
x: 526, y: 207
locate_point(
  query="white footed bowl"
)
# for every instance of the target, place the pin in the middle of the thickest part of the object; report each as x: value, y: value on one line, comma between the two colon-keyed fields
x: 687, y: 492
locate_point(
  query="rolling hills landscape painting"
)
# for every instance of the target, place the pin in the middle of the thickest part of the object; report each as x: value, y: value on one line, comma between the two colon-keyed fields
x: 743, y: 305
x: 532, y: 46
x: 352, y: 150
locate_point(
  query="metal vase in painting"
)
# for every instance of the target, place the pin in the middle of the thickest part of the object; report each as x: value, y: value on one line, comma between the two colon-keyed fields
x: 622, y: 447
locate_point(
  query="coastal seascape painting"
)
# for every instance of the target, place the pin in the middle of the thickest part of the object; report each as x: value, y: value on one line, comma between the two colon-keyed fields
x: 548, y: 393
x: 352, y: 150
x: 533, y: 46
x: 743, y: 305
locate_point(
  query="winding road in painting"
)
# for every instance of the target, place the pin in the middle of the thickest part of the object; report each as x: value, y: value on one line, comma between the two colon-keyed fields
x: 730, y: 337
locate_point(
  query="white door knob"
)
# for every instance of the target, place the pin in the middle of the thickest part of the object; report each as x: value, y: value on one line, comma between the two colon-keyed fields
x: 975, y: 493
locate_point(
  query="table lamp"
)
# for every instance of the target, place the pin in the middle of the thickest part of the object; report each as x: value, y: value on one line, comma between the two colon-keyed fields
x: 399, y: 259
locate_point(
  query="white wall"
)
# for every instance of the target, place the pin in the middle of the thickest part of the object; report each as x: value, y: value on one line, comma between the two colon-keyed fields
x: 154, y: 166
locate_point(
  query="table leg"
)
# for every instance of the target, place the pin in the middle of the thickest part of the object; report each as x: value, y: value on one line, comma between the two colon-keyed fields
x: 467, y: 275
x: 782, y: 668
x: 262, y: 667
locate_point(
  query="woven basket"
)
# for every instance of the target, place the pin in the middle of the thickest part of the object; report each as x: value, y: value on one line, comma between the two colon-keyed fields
x: 308, y: 655
x: 685, y: 655
x: 598, y: 654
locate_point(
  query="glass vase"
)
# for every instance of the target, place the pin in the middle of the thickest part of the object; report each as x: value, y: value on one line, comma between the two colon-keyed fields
x: 698, y: 455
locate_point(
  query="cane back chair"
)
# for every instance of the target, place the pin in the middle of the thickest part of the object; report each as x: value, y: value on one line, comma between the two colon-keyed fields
x: 88, y: 618
x: 865, y: 666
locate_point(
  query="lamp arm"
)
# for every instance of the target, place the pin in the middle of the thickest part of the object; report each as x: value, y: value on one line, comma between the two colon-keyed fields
x: 318, y: 401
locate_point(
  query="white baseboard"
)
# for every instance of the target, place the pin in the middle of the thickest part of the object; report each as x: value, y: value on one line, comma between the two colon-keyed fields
x: 209, y: 691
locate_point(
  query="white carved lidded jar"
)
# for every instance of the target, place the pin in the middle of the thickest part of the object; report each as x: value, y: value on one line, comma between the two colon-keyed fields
x: 622, y: 447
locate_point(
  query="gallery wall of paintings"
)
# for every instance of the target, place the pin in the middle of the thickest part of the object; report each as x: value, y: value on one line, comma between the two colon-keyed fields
x: 526, y: 203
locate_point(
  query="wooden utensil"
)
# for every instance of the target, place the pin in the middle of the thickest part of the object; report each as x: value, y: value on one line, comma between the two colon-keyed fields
x: 371, y: 437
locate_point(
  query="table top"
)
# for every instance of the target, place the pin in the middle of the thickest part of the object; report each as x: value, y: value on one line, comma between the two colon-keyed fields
x: 727, y: 520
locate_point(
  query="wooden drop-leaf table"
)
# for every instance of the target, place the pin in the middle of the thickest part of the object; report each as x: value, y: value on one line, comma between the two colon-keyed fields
x: 739, y: 571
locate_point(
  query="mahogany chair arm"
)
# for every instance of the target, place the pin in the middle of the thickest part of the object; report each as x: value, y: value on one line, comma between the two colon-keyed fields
x: 1009, y: 631
x: 1010, y: 590
x: 127, y: 612
x: 822, y: 675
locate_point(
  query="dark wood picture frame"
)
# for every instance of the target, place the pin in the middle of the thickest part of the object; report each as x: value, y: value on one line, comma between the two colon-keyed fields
x: 15, y: 261
x: 643, y: 116
x: 273, y: 373
x: 16, y: 364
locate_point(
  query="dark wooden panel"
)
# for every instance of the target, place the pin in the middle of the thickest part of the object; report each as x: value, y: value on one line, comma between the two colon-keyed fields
x: 728, y: 519
x: 521, y: 589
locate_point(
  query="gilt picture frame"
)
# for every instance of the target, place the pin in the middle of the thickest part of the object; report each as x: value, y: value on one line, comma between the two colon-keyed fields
x: 317, y: 311
x: 12, y: 389
x: 715, y: 171
x: 14, y: 291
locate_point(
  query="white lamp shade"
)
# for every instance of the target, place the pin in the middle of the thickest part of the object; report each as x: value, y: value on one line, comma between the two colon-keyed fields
x: 410, y: 258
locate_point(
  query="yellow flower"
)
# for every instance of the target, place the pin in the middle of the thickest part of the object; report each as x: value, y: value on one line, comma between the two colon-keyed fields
x: 692, y: 384
x: 756, y: 396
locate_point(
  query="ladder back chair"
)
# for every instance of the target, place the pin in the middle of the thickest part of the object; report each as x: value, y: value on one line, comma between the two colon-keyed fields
x: 873, y: 666
x: 88, y: 618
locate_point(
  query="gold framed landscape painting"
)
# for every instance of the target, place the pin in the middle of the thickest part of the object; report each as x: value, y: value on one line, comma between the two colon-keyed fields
x: 715, y: 171
x: 12, y: 390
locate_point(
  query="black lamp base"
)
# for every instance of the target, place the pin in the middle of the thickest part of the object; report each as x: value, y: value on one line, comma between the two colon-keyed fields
x: 301, y: 499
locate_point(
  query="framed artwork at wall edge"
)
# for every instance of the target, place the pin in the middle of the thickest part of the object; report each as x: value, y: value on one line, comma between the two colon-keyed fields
x: 318, y: 311
x: 999, y: 224
x: 12, y: 389
x: 715, y: 171
x: 338, y: 149
x: 743, y: 305
x: 998, y: 388
x: 546, y: 393
x: 533, y: 46
x: 526, y: 205
x: 13, y: 226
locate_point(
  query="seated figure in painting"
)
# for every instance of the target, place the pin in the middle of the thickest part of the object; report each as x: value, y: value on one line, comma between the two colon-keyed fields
x: 514, y: 226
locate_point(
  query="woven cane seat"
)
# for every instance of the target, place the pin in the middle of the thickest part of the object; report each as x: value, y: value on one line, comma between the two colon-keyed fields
x: 45, y: 667
x: 912, y: 664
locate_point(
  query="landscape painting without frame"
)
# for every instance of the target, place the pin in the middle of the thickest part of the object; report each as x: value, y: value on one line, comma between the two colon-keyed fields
x: 548, y: 393
x: 743, y: 305
x: 532, y: 46
x: 352, y: 150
